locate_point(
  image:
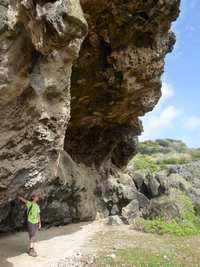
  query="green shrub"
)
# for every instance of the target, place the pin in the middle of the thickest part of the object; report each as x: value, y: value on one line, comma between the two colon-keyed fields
x: 149, y: 148
x: 195, y: 154
x: 174, y: 227
x: 188, y: 224
x: 138, y: 257
x: 168, y: 151
x: 163, y: 146
x: 188, y: 212
x: 176, y: 158
x: 142, y: 162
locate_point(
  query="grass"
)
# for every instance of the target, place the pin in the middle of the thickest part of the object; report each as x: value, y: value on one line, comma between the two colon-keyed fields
x: 157, y: 155
x: 159, y: 226
x: 157, y: 162
x: 144, y: 162
x: 168, y: 151
x: 187, y: 225
x: 174, y: 158
x: 136, y: 249
x: 136, y: 257
x: 163, y: 146
x: 195, y: 153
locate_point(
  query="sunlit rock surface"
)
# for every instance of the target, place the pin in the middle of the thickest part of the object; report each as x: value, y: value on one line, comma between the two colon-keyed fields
x: 69, y: 159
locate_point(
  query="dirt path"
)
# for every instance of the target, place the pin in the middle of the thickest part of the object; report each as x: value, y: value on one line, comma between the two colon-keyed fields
x: 54, y: 245
x: 100, y: 245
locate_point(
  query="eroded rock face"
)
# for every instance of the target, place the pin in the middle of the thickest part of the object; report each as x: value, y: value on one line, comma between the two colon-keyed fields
x: 115, y: 80
x: 190, y: 182
x: 39, y: 41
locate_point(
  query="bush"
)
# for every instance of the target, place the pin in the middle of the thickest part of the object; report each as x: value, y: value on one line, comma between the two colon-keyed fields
x: 188, y: 224
x: 141, y: 162
x: 163, y: 146
x: 149, y: 148
x: 168, y: 151
x: 174, y: 227
x: 176, y: 158
x: 195, y: 154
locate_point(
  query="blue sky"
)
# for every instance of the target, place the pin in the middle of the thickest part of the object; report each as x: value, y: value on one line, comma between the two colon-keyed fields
x: 178, y: 113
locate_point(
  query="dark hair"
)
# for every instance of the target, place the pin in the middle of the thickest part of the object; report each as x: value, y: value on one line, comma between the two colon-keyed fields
x: 33, y: 195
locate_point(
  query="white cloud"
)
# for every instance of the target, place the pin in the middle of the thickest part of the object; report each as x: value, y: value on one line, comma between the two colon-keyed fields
x: 164, y: 118
x: 167, y: 90
x: 156, y: 124
x: 192, y: 123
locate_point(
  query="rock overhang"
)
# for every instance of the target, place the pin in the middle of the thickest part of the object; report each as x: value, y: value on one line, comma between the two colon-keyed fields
x: 90, y: 110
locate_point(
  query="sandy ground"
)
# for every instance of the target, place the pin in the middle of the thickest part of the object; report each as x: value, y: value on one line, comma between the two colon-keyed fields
x: 54, y: 245
x: 84, y: 244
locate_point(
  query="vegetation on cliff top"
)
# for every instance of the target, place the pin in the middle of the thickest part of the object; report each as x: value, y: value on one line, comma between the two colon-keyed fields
x: 156, y: 155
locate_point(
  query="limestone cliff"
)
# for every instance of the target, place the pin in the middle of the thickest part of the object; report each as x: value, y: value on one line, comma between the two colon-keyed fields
x: 69, y: 159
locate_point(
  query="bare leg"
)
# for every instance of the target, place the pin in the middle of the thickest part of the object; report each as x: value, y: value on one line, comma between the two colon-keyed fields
x: 31, y: 244
x: 32, y: 251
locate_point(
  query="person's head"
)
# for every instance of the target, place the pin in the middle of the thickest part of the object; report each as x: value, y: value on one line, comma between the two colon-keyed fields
x: 34, y: 197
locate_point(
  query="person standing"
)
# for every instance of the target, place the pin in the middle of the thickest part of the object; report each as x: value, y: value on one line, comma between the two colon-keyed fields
x: 33, y: 221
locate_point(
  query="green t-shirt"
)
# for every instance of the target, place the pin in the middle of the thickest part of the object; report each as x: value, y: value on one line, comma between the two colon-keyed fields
x: 34, y: 214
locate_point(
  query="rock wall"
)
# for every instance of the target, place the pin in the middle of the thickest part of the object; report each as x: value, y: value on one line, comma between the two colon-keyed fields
x: 167, y: 192
x: 69, y: 159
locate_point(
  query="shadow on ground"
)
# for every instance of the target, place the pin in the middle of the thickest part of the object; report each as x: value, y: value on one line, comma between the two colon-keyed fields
x: 12, y: 245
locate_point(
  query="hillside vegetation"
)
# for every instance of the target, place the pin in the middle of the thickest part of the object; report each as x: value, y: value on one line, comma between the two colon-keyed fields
x: 156, y: 155
x: 167, y: 172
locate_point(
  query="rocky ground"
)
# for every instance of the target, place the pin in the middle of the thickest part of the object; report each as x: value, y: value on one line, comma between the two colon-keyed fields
x: 97, y: 244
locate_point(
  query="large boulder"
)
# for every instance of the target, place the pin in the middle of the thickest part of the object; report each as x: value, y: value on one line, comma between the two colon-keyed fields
x: 131, y: 211
x: 114, y: 220
x: 139, y: 178
x: 154, y: 187
x: 166, y: 207
x: 176, y: 206
x: 191, y: 173
x: 178, y: 181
